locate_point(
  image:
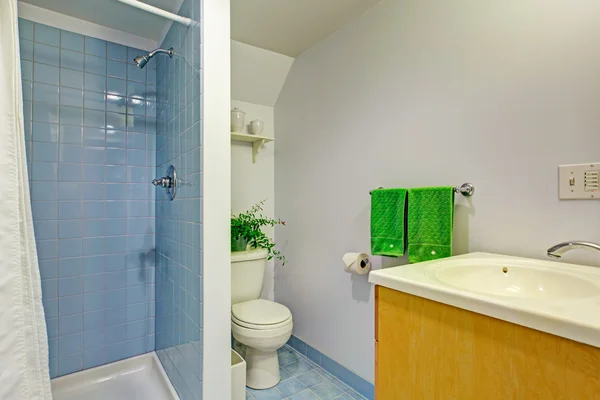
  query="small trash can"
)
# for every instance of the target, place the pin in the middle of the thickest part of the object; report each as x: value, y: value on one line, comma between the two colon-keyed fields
x: 238, y: 376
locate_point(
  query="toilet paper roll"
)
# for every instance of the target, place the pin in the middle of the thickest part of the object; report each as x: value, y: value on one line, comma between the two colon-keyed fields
x: 356, y: 263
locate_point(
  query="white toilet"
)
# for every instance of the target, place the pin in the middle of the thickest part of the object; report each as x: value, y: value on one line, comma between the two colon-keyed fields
x: 262, y: 326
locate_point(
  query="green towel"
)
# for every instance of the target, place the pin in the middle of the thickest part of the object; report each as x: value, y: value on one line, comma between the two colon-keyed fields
x: 387, y: 222
x: 430, y: 223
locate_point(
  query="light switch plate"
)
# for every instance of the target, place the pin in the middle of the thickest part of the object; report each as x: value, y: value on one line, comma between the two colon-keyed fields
x: 579, y: 181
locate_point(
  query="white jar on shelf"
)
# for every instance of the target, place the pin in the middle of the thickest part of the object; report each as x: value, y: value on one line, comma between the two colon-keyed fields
x: 256, y: 127
x: 238, y: 120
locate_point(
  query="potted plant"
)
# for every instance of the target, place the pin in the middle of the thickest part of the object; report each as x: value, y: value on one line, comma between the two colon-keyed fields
x: 246, y: 231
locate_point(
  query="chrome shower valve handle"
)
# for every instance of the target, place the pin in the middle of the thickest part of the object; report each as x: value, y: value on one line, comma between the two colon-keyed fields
x: 164, y: 182
x: 168, y: 182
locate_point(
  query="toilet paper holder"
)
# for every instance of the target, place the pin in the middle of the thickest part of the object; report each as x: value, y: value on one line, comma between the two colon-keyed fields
x: 358, y: 263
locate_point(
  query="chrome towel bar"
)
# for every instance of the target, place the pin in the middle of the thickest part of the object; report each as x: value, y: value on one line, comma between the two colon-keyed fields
x: 466, y: 189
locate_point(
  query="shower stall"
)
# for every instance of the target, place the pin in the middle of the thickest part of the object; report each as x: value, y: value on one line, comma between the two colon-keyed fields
x: 125, y: 288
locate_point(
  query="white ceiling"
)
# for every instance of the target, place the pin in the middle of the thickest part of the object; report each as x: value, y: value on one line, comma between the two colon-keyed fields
x: 290, y: 27
x: 261, y: 80
x: 287, y: 27
x: 114, y: 15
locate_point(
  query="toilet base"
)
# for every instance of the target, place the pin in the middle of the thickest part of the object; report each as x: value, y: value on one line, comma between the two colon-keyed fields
x: 262, y: 368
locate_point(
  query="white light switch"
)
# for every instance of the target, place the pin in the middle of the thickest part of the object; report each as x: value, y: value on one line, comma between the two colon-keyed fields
x: 579, y: 181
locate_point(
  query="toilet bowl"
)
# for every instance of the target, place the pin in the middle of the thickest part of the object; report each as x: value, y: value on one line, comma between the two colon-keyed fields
x: 263, y: 327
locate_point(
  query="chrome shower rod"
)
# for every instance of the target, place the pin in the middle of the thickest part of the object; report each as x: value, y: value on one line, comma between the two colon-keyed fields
x: 158, y: 11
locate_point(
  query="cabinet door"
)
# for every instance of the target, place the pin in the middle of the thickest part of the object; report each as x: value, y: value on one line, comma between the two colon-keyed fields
x: 431, y: 351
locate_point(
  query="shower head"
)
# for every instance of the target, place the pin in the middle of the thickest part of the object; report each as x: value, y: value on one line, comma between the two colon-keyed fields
x: 141, y: 61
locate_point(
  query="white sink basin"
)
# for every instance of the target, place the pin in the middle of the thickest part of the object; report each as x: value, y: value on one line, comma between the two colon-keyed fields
x: 514, y: 279
x: 557, y: 298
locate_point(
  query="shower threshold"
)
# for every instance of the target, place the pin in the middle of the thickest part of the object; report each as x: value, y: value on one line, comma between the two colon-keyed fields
x: 141, y: 377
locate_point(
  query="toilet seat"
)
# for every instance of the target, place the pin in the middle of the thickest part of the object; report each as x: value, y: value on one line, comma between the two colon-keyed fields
x: 260, y: 327
x: 260, y: 315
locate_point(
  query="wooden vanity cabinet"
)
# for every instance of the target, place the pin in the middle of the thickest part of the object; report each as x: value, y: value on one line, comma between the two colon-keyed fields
x: 429, y: 350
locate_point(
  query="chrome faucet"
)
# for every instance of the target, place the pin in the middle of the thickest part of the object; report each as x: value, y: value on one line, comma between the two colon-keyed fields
x: 561, y: 248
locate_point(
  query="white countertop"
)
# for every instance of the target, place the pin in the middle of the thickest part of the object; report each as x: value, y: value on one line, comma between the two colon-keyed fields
x: 573, y: 318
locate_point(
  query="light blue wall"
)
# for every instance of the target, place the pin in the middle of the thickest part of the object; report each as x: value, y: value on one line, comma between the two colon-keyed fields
x: 178, y: 222
x: 90, y: 119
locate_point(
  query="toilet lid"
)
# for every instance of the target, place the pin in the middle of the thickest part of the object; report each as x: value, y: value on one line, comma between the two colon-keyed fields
x: 260, y: 312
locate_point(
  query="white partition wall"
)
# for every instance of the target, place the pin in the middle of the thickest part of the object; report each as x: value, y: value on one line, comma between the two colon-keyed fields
x: 216, y: 199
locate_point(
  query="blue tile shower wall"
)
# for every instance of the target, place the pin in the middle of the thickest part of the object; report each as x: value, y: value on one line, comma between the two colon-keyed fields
x: 90, y: 120
x: 178, y: 222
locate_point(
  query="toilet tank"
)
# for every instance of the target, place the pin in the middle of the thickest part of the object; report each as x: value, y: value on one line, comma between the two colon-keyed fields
x: 247, y: 273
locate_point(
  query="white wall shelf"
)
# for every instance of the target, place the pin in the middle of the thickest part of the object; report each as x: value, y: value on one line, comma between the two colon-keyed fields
x: 257, y: 142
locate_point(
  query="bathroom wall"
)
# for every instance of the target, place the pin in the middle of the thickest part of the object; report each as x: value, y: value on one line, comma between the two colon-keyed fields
x: 90, y: 131
x: 418, y: 93
x: 216, y: 198
x: 255, y: 87
x: 179, y: 222
x: 254, y: 182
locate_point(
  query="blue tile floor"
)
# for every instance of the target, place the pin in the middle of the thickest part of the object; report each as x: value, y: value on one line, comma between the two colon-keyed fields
x: 301, y: 379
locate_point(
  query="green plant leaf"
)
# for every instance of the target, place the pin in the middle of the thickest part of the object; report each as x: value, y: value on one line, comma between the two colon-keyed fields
x: 248, y: 225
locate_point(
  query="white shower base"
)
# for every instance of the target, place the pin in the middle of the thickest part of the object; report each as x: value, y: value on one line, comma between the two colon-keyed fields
x: 141, y: 377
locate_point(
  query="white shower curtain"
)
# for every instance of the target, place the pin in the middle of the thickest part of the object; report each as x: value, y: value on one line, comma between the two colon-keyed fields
x: 24, y: 371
